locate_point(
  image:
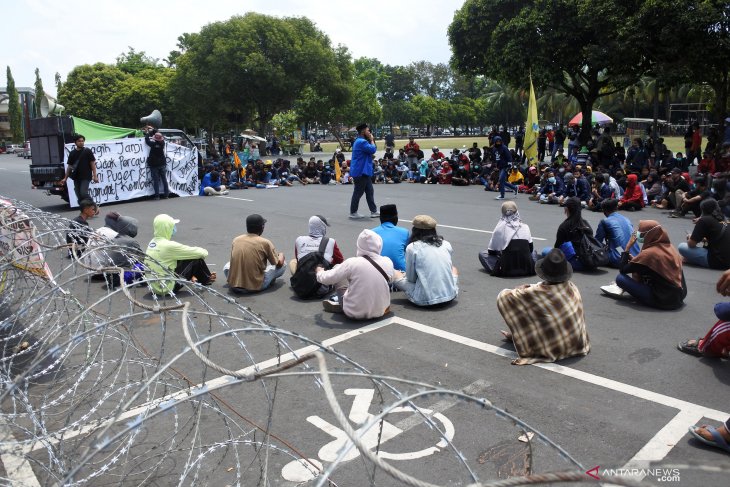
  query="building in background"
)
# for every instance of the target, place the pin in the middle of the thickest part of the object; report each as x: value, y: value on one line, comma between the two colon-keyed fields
x: 27, y: 111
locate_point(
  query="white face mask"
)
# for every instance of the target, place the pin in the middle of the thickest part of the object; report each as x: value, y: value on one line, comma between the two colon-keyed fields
x: 174, y: 229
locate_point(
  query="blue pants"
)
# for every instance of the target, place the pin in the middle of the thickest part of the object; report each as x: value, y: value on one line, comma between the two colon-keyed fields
x: 637, y: 289
x: 503, y: 182
x: 694, y: 255
x: 574, y: 261
x: 363, y: 184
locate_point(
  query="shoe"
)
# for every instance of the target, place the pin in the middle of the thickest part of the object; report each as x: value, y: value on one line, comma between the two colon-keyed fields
x: 674, y: 214
x: 157, y: 197
x: 224, y: 192
x: 499, y: 198
x: 331, y: 306
x: 486, y: 189
x: 692, y: 349
x: 374, y: 214
x: 614, y: 291
x: 356, y: 216
x: 517, y: 191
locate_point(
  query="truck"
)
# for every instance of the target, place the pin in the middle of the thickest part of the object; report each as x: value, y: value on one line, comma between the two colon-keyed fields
x: 51, y: 135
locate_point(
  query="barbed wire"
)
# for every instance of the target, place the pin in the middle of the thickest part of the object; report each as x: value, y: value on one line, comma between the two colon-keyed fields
x: 105, y: 382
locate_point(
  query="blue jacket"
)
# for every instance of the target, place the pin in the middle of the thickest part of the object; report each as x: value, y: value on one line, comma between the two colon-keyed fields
x: 362, y: 158
x: 395, y: 240
x: 616, y: 231
x: 502, y: 156
x: 207, y: 182
x: 558, y: 188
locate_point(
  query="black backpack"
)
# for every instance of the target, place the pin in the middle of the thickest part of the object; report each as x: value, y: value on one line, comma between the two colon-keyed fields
x: 304, y: 281
x: 591, y: 252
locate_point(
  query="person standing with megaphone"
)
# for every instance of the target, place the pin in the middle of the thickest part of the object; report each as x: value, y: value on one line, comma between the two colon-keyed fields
x: 156, y: 161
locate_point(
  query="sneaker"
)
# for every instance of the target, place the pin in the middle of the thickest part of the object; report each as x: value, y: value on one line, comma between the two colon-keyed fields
x: 356, y: 216
x: 374, y: 214
x: 331, y: 306
x: 614, y: 291
x: 499, y: 198
x: 517, y: 191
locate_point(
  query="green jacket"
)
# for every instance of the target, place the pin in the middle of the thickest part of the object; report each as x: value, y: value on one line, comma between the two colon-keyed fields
x: 163, y: 254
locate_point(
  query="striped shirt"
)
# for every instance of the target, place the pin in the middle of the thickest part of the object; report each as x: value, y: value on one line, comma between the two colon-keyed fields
x: 546, y: 321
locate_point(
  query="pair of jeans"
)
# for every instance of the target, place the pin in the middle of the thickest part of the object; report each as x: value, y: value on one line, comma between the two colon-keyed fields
x: 637, y: 289
x: 694, y: 255
x: 363, y: 184
x: 574, y: 261
x: 81, y: 188
x: 503, y: 182
x: 159, y: 174
x: 271, y: 273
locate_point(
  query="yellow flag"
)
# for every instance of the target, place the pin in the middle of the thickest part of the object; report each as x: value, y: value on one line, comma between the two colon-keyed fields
x: 338, y: 171
x: 531, y: 129
x: 236, y: 160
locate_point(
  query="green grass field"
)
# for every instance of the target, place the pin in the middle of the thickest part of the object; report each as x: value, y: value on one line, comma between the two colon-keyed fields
x: 447, y: 144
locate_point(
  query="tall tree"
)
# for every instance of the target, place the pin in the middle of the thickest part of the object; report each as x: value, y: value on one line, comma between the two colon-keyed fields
x: 133, y: 62
x: 255, y: 64
x: 59, y: 82
x: 38, y: 92
x: 89, y: 92
x: 16, y: 119
x: 591, y: 67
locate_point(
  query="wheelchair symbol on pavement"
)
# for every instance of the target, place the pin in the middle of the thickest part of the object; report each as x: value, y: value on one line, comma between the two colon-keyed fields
x: 304, y: 469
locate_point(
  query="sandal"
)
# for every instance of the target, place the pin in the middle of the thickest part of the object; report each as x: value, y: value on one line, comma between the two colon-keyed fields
x: 690, y: 348
x: 717, y: 440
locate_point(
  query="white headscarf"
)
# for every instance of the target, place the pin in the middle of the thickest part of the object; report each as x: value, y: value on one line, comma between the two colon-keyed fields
x: 507, y: 227
x: 317, y: 228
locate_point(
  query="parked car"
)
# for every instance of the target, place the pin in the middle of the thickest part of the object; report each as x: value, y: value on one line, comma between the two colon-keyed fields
x: 26, y: 151
x: 446, y: 132
x: 14, y: 148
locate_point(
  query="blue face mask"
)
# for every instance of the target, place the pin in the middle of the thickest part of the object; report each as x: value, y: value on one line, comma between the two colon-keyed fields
x: 174, y: 229
x: 552, y: 180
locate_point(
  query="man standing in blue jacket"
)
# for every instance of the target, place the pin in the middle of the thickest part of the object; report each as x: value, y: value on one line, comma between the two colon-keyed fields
x: 502, y: 159
x: 361, y: 171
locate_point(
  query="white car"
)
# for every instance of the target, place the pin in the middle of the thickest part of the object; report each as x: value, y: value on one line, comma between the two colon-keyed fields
x: 446, y: 132
x: 14, y: 149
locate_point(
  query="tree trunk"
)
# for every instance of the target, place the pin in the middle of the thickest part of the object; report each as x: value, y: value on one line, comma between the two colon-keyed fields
x: 586, y: 109
x: 655, y: 126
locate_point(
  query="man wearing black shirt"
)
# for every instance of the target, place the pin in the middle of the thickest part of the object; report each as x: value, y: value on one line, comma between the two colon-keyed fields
x: 712, y: 229
x: 81, y: 167
x: 156, y: 161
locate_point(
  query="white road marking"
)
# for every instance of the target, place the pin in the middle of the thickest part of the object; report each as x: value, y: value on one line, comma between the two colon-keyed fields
x: 16, y: 466
x: 662, y: 443
x: 211, y: 385
x: 466, y: 228
x: 233, y: 198
x: 611, y: 384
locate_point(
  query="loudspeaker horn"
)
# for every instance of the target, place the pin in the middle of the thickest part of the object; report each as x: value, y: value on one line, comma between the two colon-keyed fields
x: 49, y: 106
x: 154, y: 119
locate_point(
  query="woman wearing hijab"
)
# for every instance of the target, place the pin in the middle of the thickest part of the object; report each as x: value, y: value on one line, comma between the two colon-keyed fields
x: 570, y: 233
x: 712, y: 229
x: 633, y: 198
x: 509, y: 228
x: 430, y: 277
x: 654, y: 277
x: 445, y: 174
x: 307, y: 244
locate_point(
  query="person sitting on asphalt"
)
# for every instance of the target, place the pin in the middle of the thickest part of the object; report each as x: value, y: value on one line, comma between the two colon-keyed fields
x: 574, y: 187
x: 615, y: 231
x: 509, y: 227
x: 675, y: 188
x: 395, y: 239
x: 164, y: 256
x: 125, y: 252
x: 430, y: 277
x: 570, y: 232
x: 691, y: 200
x: 254, y: 264
x: 551, y: 191
x: 716, y: 343
x: 601, y: 191
x: 545, y: 320
x: 710, y: 228
x: 633, y: 197
x: 654, y: 277
x: 79, y: 230
x: 306, y: 244
x: 362, y: 282
x: 211, y: 185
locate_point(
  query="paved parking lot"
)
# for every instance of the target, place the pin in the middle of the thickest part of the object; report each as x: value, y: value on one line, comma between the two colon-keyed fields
x: 630, y: 400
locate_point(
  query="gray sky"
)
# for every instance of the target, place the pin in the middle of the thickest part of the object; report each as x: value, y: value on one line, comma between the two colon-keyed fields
x: 56, y: 36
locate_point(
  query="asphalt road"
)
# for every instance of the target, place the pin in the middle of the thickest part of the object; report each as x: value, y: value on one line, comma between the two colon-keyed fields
x: 631, y: 398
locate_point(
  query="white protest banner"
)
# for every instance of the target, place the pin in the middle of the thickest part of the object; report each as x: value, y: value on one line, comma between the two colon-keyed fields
x: 121, y: 165
x: 18, y: 243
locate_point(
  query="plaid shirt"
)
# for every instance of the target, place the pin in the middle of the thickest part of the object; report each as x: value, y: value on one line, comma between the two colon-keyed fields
x: 546, y: 321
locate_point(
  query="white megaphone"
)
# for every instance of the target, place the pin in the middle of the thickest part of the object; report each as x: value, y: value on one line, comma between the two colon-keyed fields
x: 49, y: 106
